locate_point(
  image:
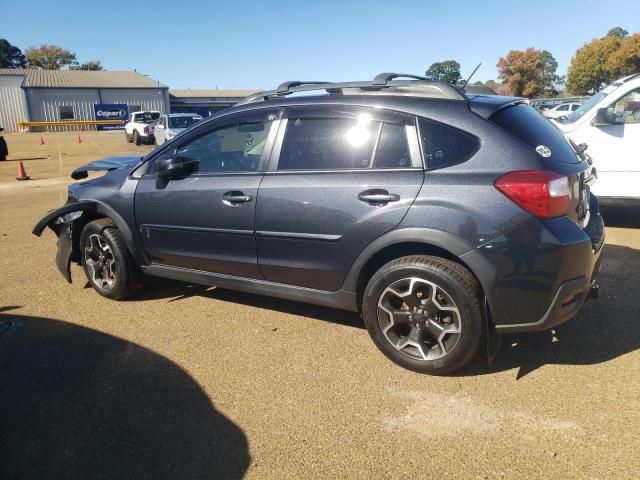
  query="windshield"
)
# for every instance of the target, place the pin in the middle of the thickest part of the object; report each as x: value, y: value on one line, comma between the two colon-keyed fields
x: 182, y: 122
x: 585, y: 107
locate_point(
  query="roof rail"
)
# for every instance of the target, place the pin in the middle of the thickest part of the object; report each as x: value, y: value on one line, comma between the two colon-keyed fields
x: 385, y: 78
x: 285, y: 87
x: 423, y: 87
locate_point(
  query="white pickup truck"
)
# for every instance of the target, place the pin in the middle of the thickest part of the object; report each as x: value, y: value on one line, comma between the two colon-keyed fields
x: 609, y: 123
x: 139, y: 128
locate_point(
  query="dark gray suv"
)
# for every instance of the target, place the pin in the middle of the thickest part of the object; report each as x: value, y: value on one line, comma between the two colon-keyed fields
x: 445, y: 218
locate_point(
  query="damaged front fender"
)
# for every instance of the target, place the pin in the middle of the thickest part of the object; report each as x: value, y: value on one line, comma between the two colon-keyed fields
x: 63, y: 223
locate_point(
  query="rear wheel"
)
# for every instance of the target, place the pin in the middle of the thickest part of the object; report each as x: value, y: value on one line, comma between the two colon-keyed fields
x: 424, y: 313
x: 106, y: 260
x: 136, y: 138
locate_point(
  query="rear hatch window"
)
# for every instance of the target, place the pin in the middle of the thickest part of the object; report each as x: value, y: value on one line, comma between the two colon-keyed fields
x: 536, y: 131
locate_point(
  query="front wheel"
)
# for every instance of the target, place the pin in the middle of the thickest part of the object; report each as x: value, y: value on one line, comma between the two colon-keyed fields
x: 424, y: 313
x: 106, y: 260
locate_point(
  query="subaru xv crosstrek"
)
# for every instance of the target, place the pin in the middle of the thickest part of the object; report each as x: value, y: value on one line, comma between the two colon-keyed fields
x: 444, y: 218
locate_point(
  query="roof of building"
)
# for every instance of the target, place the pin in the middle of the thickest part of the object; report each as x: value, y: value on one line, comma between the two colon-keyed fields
x: 189, y: 93
x: 37, y: 78
x: 13, y: 71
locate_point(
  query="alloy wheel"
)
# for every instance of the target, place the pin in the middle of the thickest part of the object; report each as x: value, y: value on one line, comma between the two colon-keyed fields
x: 100, y: 262
x: 419, y: 318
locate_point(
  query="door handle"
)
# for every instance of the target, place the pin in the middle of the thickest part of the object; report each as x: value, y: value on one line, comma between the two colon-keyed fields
x: 235, y: 198
x: 378, y: 197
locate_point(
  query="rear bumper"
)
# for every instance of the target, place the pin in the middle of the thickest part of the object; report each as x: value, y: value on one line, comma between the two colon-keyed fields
x: 544, y: 270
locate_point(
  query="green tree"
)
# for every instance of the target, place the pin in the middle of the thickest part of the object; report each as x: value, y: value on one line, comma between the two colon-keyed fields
x: 90, y: 65
x: 10, y: 56
x: 550, y: 78
x: 589, y: 70
x: 492, y: 84
x: 521, y: 72
x: 447, y: 71
x: 49, y: 57
x: 618, y: 32
x: 626, y: 59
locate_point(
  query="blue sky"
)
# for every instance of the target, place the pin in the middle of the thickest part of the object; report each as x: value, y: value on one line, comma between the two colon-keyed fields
x: 249, y: 44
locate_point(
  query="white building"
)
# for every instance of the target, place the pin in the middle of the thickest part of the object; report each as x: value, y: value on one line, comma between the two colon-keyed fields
x: 63, y: 95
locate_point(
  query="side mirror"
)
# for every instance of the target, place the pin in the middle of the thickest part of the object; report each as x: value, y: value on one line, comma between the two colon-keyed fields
x: 581, y: 148
x: 176, y: 167
x: 604, y: 116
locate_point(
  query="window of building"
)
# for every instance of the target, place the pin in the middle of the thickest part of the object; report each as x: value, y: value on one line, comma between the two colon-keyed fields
x: 135, y: 108
x: 66, y: 112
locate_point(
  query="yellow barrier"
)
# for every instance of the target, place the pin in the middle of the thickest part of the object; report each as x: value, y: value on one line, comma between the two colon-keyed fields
x: 70, y: 123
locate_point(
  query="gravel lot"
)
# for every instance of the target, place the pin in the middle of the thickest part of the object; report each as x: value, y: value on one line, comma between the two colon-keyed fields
x: 193, y: 382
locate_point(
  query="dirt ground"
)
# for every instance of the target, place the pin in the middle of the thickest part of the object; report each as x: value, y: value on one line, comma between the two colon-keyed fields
x: 191, y: 382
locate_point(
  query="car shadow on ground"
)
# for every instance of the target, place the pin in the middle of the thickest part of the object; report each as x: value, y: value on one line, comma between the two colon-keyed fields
x: 158, y: 288
x: 604, y: 329
x: 77, y: 403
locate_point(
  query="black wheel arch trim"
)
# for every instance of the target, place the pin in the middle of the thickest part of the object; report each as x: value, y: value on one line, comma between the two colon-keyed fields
x: 464, y: 251
x: 131, y: 240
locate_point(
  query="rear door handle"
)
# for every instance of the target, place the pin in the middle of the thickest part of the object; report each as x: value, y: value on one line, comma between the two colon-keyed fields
x: 235, y: 198
x: 378, y: 197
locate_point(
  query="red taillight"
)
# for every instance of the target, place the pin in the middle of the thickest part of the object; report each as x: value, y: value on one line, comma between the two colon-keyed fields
x: 542, y: 193
x: 146, y: 130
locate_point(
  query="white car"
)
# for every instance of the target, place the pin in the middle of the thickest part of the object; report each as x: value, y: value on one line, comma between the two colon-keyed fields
x: 139, y: 128
x: 562, y: 110
x: 168, y: 126
x: 609, y: 124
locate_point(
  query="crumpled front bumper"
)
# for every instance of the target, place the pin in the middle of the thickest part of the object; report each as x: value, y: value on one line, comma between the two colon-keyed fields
x: 64, y: 223
x: 65, y: 232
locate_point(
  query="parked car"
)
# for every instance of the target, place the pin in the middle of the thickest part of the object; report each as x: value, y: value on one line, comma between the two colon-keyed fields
x: 608, y: 124
x: 541, y: 106
x: 561, y: 111
x: 444, y: 219
x: 168, y: 126
x: 139, y: 128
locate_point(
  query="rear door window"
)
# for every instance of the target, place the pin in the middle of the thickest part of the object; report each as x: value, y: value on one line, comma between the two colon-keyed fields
x: 444, y: 146
x: 393, y: 147
x: 526, y: 124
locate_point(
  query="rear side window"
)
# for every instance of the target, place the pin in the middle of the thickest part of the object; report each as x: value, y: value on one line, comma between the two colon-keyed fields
x: 444, y: 146
x: 328, y: 143
x: 536, y: 131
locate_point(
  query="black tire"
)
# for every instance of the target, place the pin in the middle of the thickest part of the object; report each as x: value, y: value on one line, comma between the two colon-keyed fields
x: 123, y: 267
x: 454, y: 285
x: 136, y: 138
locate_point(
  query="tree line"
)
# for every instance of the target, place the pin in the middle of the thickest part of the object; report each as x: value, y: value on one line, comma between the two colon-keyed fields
x: 46, y: 57
x: 533, y: 73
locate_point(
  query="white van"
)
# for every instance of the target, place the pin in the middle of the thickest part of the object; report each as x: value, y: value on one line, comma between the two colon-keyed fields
x: 609, y: 123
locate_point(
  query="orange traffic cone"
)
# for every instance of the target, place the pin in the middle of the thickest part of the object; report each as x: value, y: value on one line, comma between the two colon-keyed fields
x: 41, y: 140
x: 22, y: 173
x: 79, y: 139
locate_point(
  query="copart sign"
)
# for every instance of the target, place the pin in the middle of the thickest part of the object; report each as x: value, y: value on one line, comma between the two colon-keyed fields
x: 111, y: 111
